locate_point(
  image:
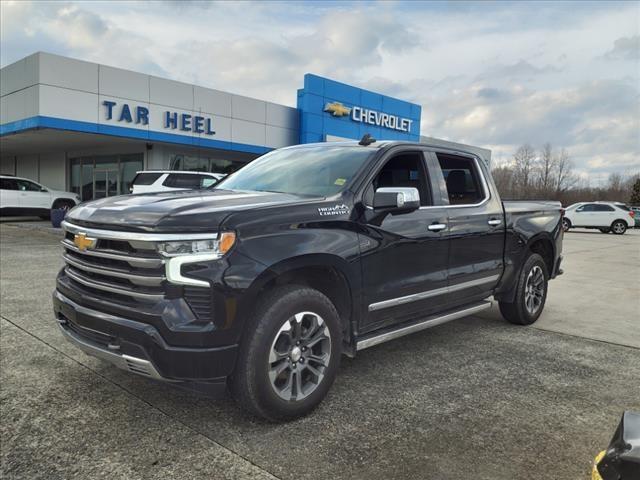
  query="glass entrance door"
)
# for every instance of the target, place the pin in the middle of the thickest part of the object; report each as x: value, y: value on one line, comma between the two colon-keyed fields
x: 105, y: 183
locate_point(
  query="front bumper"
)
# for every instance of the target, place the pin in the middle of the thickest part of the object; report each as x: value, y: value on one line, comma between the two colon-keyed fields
x: 139, y: 348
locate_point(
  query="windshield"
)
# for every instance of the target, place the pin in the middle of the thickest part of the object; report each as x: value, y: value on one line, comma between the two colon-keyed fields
x: 319, y: 171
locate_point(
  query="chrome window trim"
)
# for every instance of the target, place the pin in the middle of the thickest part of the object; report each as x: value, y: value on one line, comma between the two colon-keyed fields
x: 394, y: 302
x: 483, y: 182
x: 135, y: 236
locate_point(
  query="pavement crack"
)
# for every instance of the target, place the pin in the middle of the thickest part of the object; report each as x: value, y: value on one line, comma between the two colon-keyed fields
x: 132, y: 394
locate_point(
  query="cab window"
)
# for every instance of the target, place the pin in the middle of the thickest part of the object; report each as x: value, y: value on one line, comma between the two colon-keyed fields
x: 403, y: 170
x: 462, y: 179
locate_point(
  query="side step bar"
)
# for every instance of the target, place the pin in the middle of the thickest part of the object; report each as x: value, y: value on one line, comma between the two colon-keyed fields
x: 429, y: 322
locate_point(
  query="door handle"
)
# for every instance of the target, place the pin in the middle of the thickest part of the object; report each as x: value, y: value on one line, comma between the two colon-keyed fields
x: 436, y: 227
x: 494, y: 222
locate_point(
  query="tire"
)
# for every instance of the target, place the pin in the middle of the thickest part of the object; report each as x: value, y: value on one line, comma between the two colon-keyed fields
x: 518, y: 311
x: 276, y: 379
x: 619, y: 227
x: 605, y: 230
x: 566, y: 224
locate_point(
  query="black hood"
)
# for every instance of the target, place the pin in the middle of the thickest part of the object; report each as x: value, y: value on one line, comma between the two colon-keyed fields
x: 193, y: 210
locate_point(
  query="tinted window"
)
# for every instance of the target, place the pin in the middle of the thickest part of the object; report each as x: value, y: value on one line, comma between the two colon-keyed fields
x: 146, y: 178
x: 26, y: 185
x: 8, y: 184
x: 589, y: 207
x: 406, y: 170
x: 182, y: 180
x: 462, y: 179
x: 603, y: 208
x: 208, y: 181
x: 319, y: 170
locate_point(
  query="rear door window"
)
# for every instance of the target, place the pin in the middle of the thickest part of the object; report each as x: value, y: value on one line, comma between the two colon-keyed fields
x: 8, y: 184
x: 146, y: 178
x: 183, y: 180
x: 603, y: 208
x: 462, y: 178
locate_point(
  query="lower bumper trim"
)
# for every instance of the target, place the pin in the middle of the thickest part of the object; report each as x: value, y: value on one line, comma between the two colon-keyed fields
x: 131, y: 364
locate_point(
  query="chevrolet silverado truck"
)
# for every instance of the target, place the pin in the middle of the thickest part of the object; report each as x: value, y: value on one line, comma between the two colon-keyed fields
x: 261, y: 283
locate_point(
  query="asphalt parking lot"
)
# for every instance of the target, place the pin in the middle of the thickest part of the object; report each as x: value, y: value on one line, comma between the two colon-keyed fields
x: 476, y: 398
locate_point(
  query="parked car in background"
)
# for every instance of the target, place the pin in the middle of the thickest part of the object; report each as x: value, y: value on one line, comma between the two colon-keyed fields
x: 21, y: 196
x: 150, y: 181
x: 605, y: 216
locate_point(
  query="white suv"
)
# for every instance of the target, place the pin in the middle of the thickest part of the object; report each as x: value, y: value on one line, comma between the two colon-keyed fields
x: 150, y: 181
x: 21, y: 196
x: 605, y: 216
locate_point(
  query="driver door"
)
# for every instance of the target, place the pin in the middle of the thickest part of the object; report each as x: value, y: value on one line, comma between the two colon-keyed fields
x: 404, y: 256
x: 32, y: 196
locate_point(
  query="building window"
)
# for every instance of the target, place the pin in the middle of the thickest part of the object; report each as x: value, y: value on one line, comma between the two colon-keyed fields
x: 204, y: 164
x: 102, y: 176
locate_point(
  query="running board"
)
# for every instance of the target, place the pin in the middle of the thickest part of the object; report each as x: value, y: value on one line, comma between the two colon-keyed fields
x: 422, y: 325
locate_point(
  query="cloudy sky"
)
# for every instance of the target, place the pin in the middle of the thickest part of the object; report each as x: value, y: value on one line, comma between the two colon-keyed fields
x: 490, y: 74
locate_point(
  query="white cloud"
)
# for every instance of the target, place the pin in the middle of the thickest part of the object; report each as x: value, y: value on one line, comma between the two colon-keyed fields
x: 496, y: 75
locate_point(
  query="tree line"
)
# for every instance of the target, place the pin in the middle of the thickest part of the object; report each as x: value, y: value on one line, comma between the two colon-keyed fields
x: 548, y: 174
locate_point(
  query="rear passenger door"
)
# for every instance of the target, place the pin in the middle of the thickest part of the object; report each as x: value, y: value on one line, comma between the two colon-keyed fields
x: 476, y: 228
x: 603, y: 215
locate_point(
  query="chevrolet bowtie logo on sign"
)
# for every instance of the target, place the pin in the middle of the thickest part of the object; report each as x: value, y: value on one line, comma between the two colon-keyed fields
x: 83, y: 242
x: 372, y: 117
x: 337, y: 109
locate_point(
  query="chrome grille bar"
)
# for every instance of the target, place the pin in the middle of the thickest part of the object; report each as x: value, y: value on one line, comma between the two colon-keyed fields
x: 145, y: 280
x: 108, y: 287
x: 132, y: 260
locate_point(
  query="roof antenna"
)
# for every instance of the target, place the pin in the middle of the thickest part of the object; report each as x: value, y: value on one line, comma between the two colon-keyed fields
x: 366, y: 140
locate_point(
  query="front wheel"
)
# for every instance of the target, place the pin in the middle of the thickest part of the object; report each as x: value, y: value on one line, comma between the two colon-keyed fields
x: 290, y: 356
x: 618, y: 227
x: 566, y: 224
x: 531, y: 293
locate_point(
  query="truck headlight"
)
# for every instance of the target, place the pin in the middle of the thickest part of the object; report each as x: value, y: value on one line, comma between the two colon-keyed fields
x: 213, y: 246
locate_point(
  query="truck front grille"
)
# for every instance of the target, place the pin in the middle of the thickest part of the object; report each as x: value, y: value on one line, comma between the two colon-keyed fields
x: 133, y: 270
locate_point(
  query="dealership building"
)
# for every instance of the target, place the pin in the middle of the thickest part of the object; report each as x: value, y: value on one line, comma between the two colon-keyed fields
x: 87, y: 128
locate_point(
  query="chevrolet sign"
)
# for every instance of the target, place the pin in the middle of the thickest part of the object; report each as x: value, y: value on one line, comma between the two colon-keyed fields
x: 371, y: 117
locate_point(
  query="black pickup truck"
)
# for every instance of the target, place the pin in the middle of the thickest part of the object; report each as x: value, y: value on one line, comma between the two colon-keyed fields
x: 262, y: 282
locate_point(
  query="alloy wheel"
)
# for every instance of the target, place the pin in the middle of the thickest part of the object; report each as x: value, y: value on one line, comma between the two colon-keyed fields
x: 299, y: 356
x: 534, y: 290
x: 619, y: 227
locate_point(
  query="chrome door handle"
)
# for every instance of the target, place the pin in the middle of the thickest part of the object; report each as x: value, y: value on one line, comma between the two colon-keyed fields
x: 494, y: 221
x: 436, y: 227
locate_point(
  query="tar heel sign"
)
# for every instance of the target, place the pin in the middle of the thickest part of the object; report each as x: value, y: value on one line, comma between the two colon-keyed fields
x: 371, y: 117
x: 171, y: 120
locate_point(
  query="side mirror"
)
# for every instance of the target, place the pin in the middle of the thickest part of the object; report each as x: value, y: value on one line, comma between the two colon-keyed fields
x: 403, y: 199
x: 42, y: 189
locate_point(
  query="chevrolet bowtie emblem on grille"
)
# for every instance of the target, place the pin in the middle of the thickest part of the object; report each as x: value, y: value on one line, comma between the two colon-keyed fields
x: 337, y: 109
x: 83, y: 242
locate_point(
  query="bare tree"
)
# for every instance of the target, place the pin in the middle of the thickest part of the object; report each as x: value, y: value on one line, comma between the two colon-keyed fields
x: 547, y: 169
x: 525, y: 162
x: 503, y: 178
x: 565, y: 179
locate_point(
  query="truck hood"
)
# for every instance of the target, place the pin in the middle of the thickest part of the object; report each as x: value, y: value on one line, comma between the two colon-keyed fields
x: 182, y: 210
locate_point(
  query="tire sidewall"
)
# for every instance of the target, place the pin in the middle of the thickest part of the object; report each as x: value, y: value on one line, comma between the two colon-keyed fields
x: 532, y: 261
x: 292, y: 302
x: 624, y: 227
x: 566, y: 224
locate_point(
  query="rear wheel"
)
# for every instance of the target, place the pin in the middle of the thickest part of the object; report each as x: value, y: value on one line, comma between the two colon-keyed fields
x: 618, y: 227
x: 566, y: 224
x: 291, y: 355
x: 605, y: 230
x: 531, y: 293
